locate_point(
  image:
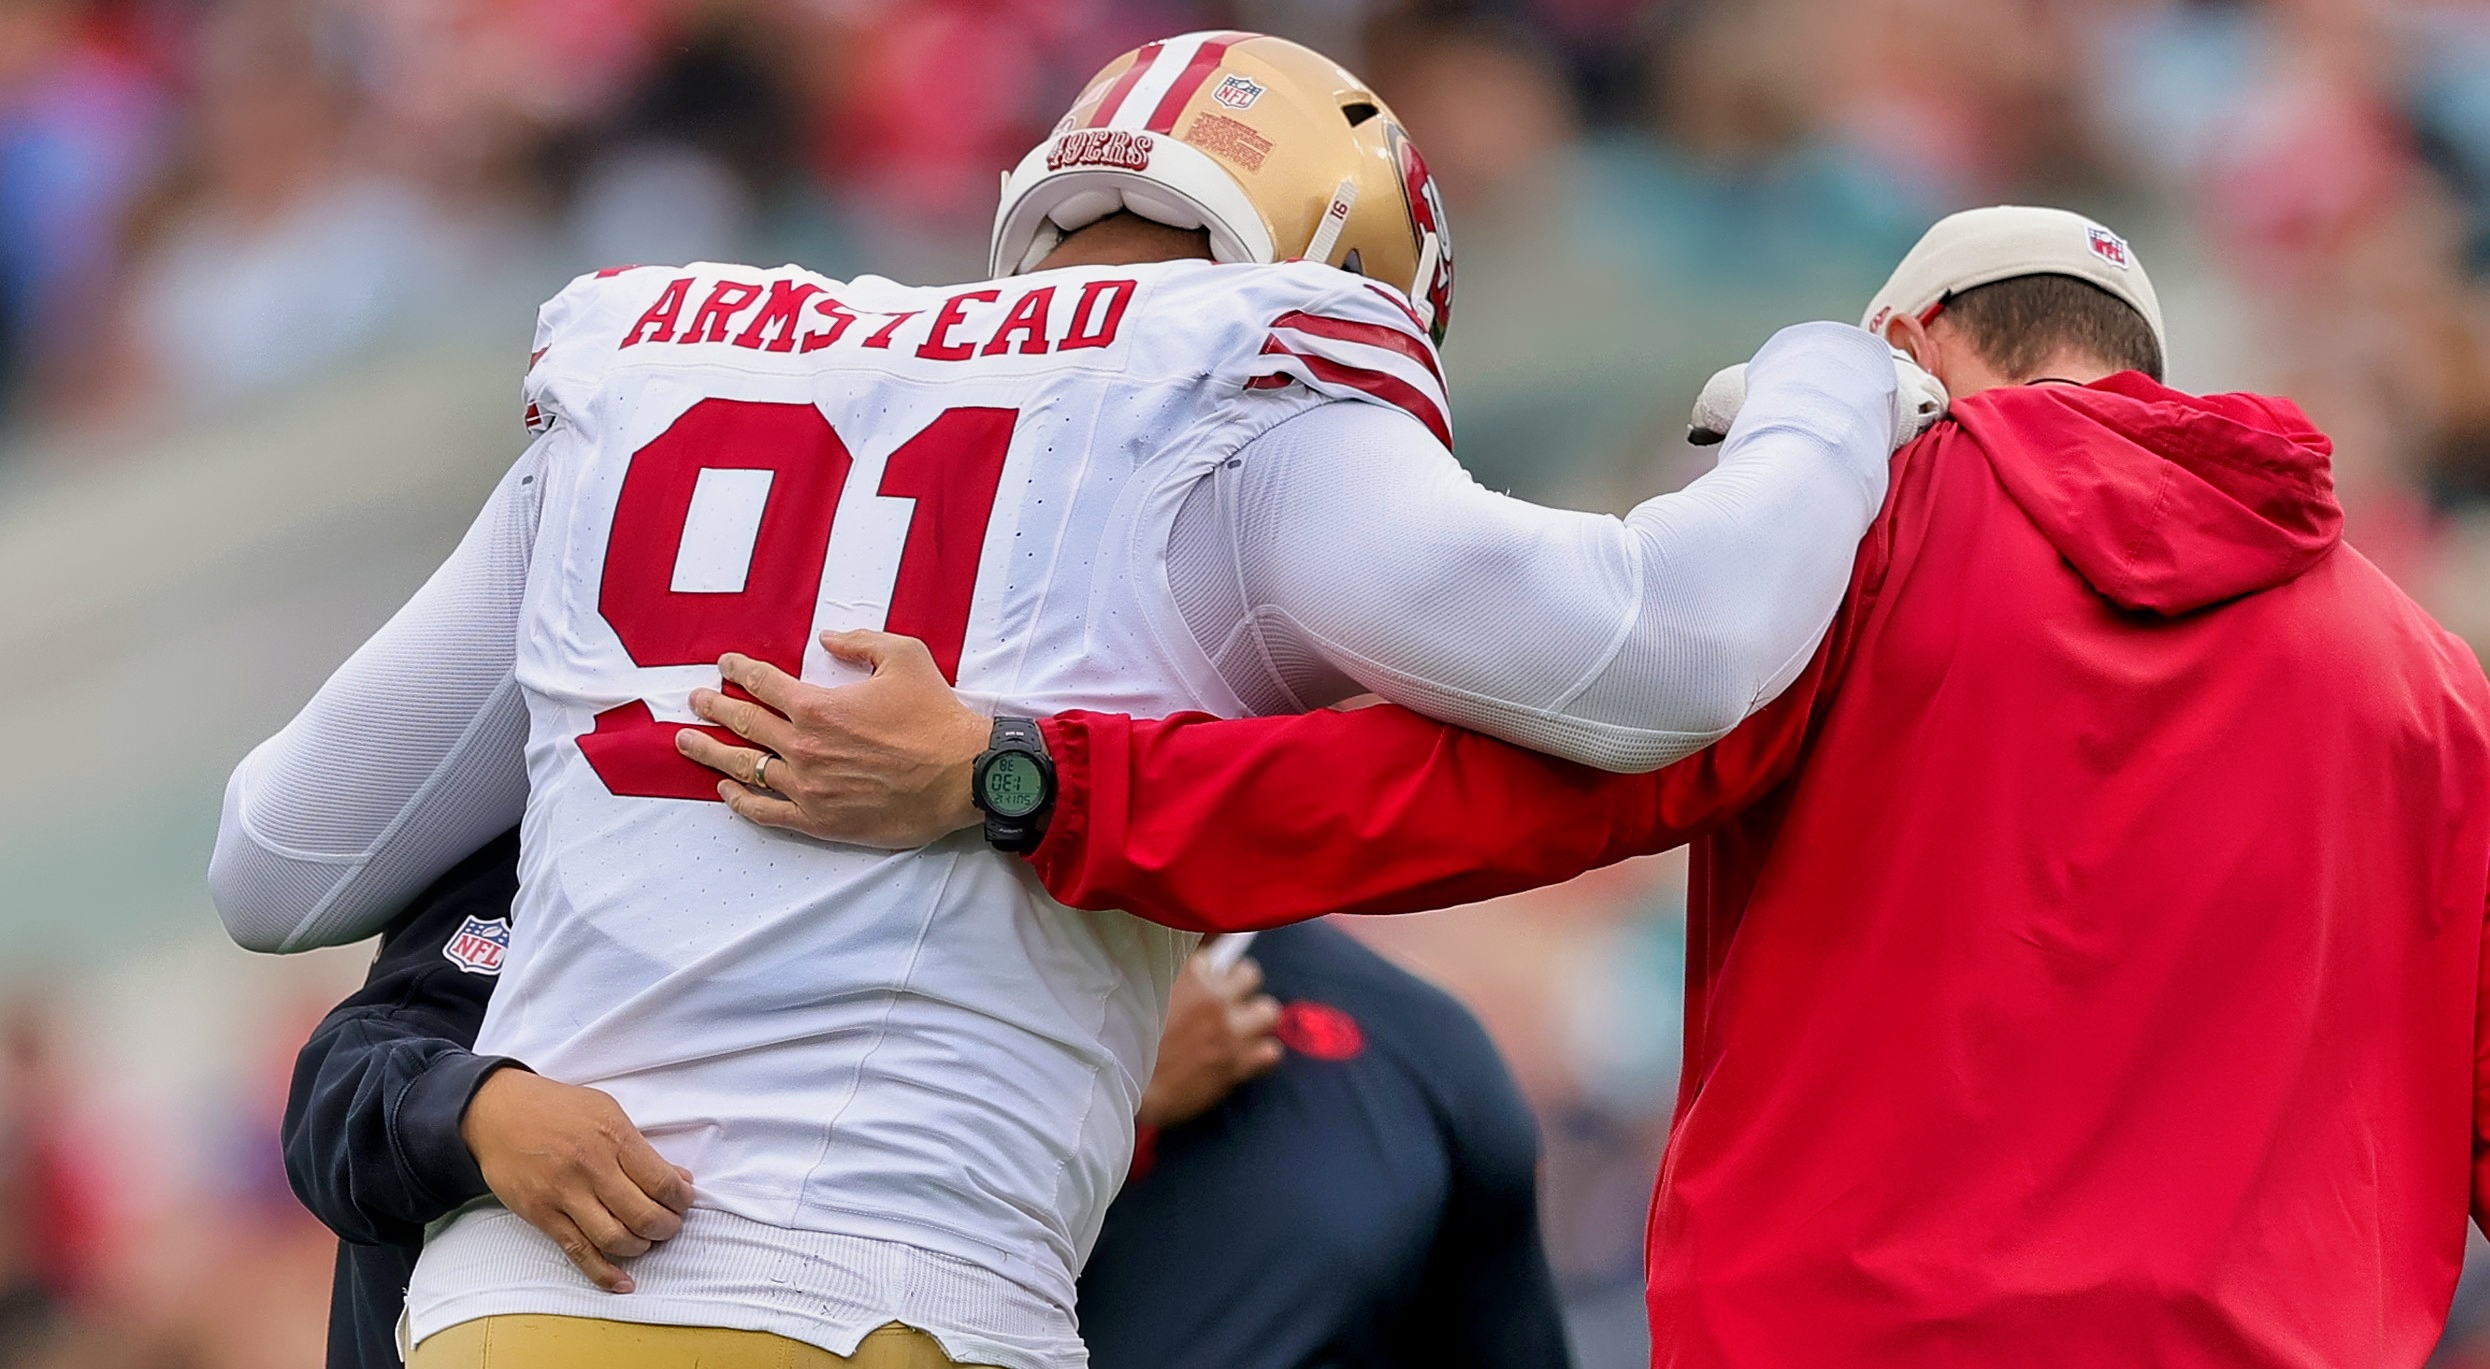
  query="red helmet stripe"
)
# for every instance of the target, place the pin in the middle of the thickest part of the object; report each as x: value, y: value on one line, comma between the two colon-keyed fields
x: 1206, y: 59
x: 1370, y: 334
x: 1113, y: 104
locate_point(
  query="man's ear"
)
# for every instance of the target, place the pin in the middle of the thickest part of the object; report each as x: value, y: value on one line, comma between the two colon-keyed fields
x: 1911, y: 335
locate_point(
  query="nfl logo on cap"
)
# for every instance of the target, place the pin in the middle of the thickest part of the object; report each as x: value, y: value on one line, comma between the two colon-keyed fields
x: 479, y: 945
x: 2108, y: 246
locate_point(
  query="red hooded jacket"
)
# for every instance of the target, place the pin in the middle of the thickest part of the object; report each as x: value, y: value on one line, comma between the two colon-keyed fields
x: 2086, y: 954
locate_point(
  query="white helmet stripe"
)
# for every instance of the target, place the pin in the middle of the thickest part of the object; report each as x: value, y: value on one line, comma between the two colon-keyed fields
x: 1114, y: 100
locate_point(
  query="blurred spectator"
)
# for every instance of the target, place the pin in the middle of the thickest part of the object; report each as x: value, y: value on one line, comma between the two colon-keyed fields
x: 80, y: 124
x: 705, y: 163
x: 941, y: 97
x: 51, y: 1224
x: 281, y: 253
x: 1557, y: 334
x: 1965, y: 101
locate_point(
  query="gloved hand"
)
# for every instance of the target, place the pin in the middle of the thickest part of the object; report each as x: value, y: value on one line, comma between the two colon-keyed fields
x: 1919, y: 400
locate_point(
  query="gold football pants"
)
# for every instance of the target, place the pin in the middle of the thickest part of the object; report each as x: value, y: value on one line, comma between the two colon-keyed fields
x: 536, y: 1342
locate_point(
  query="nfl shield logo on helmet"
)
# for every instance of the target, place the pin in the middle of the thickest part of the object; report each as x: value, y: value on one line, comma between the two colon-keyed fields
x: 1238, y: 92
x: 479, y: 945
x: 2109, y: 247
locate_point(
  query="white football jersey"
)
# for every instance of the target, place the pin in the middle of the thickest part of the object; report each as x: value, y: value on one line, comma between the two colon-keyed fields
x: 918, y: 1048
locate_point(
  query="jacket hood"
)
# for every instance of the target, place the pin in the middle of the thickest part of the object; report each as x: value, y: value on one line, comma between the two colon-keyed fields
x: 2163, y: 501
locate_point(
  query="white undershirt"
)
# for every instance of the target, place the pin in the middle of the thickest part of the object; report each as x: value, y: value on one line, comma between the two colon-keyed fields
x: 1344, y: 549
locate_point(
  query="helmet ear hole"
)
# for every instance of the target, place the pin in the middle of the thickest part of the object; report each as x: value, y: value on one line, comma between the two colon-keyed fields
x: 1359, y: 111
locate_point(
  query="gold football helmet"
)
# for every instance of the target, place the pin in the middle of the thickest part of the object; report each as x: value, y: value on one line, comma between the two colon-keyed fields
x: 1270, y: 146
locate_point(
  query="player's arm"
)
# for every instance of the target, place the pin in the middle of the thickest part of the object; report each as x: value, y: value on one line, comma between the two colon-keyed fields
x: 394, y: 1122
x: 407, y: 760
x: 413, y: 754
x: 1361, y: 544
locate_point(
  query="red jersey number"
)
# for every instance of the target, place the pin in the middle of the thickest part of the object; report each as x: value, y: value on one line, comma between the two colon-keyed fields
x: 951, y: 469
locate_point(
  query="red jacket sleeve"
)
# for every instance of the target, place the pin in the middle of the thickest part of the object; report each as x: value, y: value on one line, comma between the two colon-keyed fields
x: 1217, y: 825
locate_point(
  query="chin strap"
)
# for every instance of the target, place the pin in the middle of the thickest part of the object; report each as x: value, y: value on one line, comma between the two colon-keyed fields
x: 1335, y: 218
x: 1420, y: 296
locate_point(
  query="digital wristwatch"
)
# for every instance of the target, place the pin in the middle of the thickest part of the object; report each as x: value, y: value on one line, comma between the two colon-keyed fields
x: 1014, y: 786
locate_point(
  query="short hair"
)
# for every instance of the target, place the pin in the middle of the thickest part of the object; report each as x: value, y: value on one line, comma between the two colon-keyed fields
x: 2019, y: 323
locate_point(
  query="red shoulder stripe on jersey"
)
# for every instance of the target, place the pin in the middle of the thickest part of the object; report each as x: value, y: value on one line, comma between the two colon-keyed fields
x: 1383, y: 385
x: 613, y: 271
x: 1113, y: 104
x: 1206, y: 59
x: 1367, y: 334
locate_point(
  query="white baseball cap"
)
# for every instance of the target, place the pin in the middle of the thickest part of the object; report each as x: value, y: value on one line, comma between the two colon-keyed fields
x: 1981, y: 246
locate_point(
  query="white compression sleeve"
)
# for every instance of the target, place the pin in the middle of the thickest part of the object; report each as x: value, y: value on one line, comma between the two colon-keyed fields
x: 1361, y: 546
x: 407, y: 760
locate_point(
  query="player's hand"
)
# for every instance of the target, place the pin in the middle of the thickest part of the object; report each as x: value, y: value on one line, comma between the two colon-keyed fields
x: 567, y: 1159
x: 1219, y: 1025
x: 1919, y: 401
x: 883, y: 762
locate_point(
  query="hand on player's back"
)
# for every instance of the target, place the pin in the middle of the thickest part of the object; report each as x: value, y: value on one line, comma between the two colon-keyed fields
x: 567, y: 1159
x: 1219, y: 1034
x: 882, y: 762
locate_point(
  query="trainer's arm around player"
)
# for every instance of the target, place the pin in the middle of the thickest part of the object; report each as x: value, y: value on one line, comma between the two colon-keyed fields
x: 372, y: 1120
x: 393, y: 1122
x: 1381, y: 810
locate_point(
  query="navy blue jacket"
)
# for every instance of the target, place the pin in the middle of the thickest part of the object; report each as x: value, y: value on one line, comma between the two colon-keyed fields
x: 371, y: 1122
x: 1369, y: 1204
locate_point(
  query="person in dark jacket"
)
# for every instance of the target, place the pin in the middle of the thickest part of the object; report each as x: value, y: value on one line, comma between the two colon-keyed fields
x: 1373, y: 1201
x: 1365, y: 1197
x: 371, y: 1121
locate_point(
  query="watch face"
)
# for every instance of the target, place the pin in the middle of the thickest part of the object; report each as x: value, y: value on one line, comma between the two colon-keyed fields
x: 1013, y: 785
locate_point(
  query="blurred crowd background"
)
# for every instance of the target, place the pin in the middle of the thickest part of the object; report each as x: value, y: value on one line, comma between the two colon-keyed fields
x: 268, y: 270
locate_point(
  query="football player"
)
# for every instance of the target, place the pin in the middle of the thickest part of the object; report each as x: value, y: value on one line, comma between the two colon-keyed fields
x: 1187, y: 450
